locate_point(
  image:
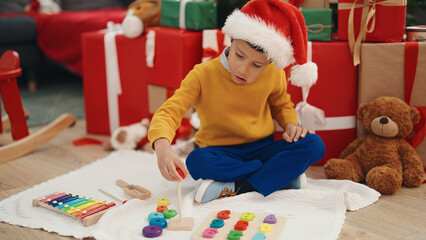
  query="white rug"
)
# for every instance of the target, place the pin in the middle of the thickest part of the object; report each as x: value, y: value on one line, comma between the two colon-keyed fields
x: 317, y: 212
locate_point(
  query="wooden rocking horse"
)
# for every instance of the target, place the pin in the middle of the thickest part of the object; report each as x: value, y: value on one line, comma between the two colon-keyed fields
x: 16, y: 115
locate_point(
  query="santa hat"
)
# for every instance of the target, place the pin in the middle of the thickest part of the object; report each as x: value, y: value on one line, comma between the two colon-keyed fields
x: 296, y: 3
x: 279, y: 29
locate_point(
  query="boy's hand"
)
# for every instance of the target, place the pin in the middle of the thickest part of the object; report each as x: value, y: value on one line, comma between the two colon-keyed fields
x: 168, y: 161
x: 292, y: 132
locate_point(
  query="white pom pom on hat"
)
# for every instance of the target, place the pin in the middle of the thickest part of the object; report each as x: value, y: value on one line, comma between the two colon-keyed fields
x: 280, y: 30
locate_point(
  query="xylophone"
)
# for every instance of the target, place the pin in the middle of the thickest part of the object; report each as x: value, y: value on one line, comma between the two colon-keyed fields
x: 226, y: 224
x: 88, y: 210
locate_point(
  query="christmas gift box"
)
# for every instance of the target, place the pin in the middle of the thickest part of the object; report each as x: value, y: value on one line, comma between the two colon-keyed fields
x: 371, y: 21
x: 171, y: 54
x: 114, y: 86
x: 315, y: 4
x: 399, y: 70
x: 329, y: 107
x: 416, y: 33
x: 310, y: 3
x: 189, y: 14
x: 157, y: 95
x: 318, y: 23
x: 117, y: 71
x: 214, y: 42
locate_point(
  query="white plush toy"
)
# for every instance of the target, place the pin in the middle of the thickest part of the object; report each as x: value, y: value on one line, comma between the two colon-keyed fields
x: 128, y: 137
x: 140, y: 15
x: 49, y: 6
x: 43, y: 6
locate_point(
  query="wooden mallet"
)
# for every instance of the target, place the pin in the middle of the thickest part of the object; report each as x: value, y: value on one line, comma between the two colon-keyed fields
x: 181, y: 224
x: 135, y: 191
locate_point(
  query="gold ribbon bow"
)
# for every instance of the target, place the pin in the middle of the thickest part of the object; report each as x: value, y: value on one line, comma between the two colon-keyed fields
x: 368, y: 14
x: 319, y: 27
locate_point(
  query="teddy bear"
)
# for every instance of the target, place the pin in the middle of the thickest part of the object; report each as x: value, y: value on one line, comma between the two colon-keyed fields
x: 140, y: 15
x: 381, y: 158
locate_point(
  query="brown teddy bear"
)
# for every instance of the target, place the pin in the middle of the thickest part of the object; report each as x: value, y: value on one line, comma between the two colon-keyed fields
x: 382, y: 158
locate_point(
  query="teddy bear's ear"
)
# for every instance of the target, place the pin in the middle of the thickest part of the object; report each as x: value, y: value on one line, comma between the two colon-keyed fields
x: 415, y: 115
x: 361, y: 110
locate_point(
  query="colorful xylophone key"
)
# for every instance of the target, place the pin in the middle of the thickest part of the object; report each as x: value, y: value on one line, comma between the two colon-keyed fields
x: 67, y: 204
x: 49, y: 198
x: 62, y: 200
x: 78, y: 212
x: 87, y: 210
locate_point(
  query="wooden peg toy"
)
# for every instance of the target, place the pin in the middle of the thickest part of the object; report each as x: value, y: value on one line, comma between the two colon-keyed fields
x: 230, y: 225
x: 181, y: 224
x: 135, y: 191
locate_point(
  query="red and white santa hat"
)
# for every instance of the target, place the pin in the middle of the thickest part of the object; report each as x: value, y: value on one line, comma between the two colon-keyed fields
x: 279, y: 29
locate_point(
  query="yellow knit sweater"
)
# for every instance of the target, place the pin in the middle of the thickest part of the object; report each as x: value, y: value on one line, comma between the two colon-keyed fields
x: 229, y: 113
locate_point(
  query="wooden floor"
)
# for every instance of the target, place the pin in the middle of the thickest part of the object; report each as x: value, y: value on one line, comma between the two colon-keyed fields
x: 401, y: 216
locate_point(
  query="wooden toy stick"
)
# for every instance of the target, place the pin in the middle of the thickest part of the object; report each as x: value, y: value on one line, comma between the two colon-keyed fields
x: 179, y: 200
x: 109, y: 194
x: 183, y: 224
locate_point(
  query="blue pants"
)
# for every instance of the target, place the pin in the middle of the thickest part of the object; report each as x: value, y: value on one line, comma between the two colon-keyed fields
x: 266, y: 164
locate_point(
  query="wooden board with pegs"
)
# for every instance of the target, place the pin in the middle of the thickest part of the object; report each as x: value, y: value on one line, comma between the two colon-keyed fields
x: 241, y: 225
x: 87, y: 210
x: 182, y: 223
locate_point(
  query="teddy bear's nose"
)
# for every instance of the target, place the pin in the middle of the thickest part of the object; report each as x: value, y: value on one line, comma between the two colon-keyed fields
x: 384, y: 120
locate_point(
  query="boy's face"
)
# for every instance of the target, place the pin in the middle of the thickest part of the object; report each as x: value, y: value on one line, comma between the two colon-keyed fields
x: 245, y: 63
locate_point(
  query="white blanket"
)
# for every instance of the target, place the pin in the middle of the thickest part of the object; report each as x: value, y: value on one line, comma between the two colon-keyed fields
x: 317, y: 212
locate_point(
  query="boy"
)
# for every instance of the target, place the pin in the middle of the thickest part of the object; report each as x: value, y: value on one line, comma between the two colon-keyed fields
x: 237, y: 97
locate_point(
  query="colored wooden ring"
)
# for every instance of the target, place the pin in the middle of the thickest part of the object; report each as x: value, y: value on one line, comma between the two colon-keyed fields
x: 152, y: 231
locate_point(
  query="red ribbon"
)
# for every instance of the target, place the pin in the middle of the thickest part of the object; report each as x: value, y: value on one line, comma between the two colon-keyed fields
x: 87, y: 141
x: 212, y: 53
x: 410, y: 66
x: 34, y: 6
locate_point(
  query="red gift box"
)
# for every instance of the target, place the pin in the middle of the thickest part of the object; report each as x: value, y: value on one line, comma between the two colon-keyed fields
x: 129, y: 105
x: 161, y: 57
x: 176, y: 53
x: 335, y: 93
x: 371, y: 21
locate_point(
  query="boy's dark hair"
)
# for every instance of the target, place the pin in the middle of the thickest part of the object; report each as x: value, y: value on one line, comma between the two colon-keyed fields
x: 255, y: 47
